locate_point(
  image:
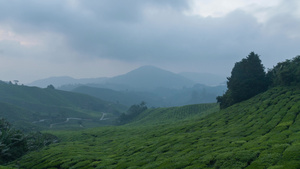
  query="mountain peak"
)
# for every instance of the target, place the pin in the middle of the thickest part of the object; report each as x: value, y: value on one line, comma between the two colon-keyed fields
x: 151, y: 77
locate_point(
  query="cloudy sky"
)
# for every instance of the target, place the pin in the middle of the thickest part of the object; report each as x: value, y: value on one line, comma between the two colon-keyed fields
x: 103, y: 38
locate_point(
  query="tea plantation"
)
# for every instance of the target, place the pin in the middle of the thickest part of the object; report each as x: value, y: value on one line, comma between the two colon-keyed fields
x: 262, y: 132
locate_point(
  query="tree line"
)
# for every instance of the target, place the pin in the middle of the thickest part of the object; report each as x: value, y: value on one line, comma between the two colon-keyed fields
x: 131, y: 113
x: 249, y: 78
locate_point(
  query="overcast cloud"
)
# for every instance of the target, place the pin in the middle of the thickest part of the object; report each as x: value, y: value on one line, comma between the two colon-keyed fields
x: 97, y: 38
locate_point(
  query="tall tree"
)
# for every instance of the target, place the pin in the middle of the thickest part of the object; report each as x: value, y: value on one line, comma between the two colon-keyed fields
x: 248, y: 78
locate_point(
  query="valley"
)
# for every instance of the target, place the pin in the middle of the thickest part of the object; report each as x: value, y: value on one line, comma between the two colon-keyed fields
x: 149, y: 84
x: 32, y: 108
x: 81, y: 131
x: 157, y: 87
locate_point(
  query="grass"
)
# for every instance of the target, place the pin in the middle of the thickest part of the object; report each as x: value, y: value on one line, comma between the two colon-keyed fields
x: 263, y: 132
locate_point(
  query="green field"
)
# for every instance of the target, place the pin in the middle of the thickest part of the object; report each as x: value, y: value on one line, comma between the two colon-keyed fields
x: 262, y: 132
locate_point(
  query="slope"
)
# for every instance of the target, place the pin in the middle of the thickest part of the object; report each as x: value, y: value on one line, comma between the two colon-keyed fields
x: 158, y: 116
x: 161, y: 97
x: 43, y: 107
x: 263, y: 132
x: 127, y: 98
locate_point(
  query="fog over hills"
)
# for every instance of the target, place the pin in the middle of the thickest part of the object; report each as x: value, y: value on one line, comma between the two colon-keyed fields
x: 64, y: 80
x: 204, y: 78
x: 155, y: 86
x: 143, y: 78
x: 150, y: 77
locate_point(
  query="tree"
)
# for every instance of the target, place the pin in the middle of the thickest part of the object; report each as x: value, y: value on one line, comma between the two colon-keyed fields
x: 132, y: 112
x: 248, y: 78
x: 285, y: 73
x: 12, y: 142
x: 50, y: 86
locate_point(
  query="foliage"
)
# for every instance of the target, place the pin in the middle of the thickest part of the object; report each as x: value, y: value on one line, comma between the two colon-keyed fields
x: 247, y: 79
x: 262, y: 132
x: 14, y: 143
x: 285, y: 73
x: 50, y: 87
x: 132, y: 112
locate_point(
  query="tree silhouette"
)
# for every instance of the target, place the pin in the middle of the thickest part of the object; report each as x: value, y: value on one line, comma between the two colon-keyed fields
x: 248, y: 78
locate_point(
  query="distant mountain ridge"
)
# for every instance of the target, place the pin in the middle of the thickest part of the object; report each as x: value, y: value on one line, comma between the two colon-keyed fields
x: 160, y: 97
x: 150, y: 77
x: 155, y: 86
x: 145, y: 77
x: 64, y: 80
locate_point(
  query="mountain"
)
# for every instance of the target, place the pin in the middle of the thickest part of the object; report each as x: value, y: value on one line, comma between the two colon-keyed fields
x: 155, y: 86
x: 262, y: 132
x: 208, y: 79
x: 64, y: 80
x: 143, y: 78
x: 149, y: 78
x: 38, y: 108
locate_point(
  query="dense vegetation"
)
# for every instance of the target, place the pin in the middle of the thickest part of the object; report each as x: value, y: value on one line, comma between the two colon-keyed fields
x: 263, y: 132
x: 14, y: 143
x: 132, y: 112
x: 248, y: 78
x: 285, y: 73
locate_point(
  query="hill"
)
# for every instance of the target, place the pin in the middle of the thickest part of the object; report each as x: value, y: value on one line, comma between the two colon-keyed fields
x: 262, y: 132
x: 143, y: 78
x: 43, y: 108
x: 64, y: 80
x: 173, y: 115
x: 161, y: 97
x: 155, y: 86
x: 149, y: 78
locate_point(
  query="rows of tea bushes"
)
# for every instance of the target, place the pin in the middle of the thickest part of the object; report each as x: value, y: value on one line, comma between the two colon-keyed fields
x: 263, y: 132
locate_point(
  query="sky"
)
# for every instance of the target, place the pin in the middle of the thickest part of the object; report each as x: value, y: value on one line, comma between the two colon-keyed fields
x: 105, y: 38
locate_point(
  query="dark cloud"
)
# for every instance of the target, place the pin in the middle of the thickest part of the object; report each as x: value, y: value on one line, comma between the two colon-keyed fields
x: 157, y: 31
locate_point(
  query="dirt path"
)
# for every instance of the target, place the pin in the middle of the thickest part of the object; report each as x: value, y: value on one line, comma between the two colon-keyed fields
x: 70, y: 118
x: 67, y: 120
x: 102, y: 117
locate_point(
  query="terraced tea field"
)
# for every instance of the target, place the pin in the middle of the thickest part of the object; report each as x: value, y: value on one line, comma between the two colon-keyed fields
x: 263, y: 132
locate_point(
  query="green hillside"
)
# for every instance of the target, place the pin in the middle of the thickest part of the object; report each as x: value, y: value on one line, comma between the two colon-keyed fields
x: 35, y: 108
x: 263, y: 132
x: 174, y: 114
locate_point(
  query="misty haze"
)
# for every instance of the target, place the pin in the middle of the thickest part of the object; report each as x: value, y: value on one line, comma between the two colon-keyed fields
x: 149, y: 84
